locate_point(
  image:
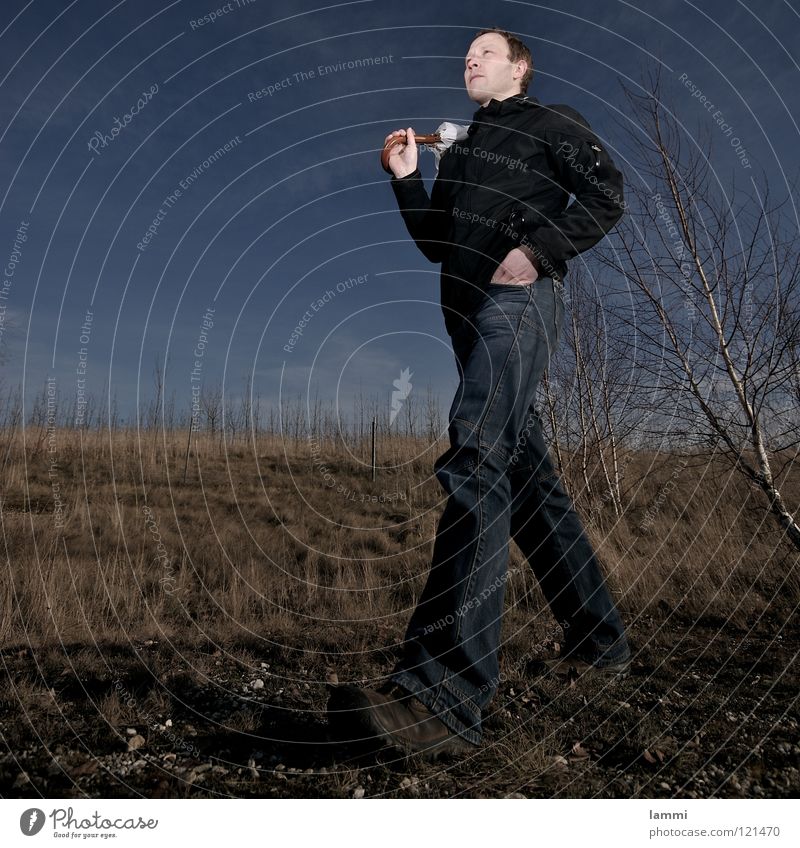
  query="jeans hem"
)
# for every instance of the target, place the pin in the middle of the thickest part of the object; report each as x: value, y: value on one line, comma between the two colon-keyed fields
x: 446, y: 704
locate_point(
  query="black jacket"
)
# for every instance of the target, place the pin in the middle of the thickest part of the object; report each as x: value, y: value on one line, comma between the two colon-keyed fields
x: 508, y: 184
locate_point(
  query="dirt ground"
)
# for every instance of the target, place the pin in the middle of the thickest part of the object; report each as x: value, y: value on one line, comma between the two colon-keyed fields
x: 709, y: 711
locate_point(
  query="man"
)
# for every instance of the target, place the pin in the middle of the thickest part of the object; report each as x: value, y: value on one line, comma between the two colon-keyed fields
x: 499, y: 222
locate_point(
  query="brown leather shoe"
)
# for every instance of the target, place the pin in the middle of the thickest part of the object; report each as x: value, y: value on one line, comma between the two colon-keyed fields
x: 397, y: 718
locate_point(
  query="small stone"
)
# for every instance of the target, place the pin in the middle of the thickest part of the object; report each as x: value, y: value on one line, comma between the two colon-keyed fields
x: 198, y: 773
x: 131, y: 731
x: 86, y: 768
x: 168, y: 722
x: 280, y: 767
x: 257, y: 684
x: 22, y: 779
x: 136, y: 742
x: 516, y: 795
x: 358, y: 792
x: 664, y: 785
x: 405, y: 783
x: 333, y: 678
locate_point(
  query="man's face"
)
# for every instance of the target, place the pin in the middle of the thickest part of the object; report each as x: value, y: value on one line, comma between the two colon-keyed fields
x: 488, y: 72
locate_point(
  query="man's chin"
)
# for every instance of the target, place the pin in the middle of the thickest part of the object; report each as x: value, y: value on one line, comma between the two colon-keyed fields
x: 480, y: 95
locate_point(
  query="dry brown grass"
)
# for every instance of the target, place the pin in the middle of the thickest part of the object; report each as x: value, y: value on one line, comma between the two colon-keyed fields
x: 258, y: 543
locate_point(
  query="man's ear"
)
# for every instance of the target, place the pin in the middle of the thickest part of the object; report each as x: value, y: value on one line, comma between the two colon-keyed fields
x: 523, y: 65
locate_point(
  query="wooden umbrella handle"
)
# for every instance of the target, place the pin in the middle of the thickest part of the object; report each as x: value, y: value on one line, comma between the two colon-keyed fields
x: 432, y: 138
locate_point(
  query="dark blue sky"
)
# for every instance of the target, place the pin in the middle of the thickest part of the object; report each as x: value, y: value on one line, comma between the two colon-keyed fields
x: 297, y: 205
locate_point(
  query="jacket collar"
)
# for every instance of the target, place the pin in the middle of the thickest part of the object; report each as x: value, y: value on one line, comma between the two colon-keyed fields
x: 495, y: 108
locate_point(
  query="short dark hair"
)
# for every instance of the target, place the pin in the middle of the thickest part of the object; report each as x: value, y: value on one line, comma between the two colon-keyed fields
x: 516, y: 50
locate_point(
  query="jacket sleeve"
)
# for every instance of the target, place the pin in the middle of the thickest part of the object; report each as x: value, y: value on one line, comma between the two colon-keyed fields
x: 427, y: 220
x: 582, y: 167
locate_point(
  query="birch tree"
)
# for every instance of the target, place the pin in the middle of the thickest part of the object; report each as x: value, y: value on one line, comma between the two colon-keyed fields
x: 713, y: 271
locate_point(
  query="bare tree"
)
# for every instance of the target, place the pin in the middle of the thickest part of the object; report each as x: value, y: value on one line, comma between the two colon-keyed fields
x: 713, y: 275
x: 596, y: 383
x: 246, y: 412
x: 231, y: 418
x: 155, y: 406
x: 12, y: 419
x: 211, y: 402
x: 433, y: 415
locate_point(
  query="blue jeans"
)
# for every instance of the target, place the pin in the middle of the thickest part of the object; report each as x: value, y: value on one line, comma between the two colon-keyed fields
x: 501, y: 483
